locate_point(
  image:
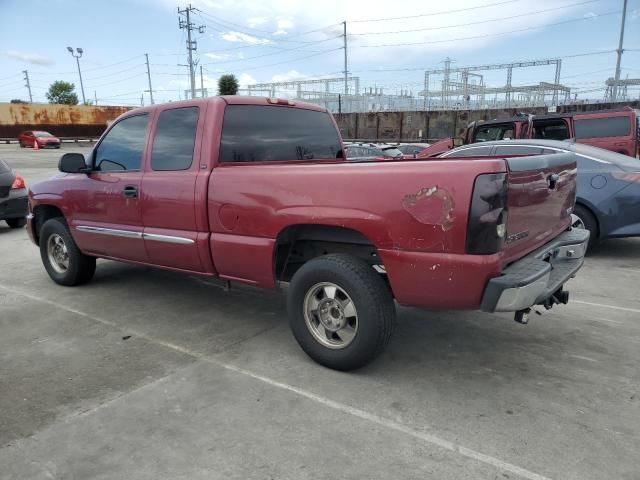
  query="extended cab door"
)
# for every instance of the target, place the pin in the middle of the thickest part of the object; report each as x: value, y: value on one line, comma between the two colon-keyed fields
x: 105, y: 206
x: 174, y: 202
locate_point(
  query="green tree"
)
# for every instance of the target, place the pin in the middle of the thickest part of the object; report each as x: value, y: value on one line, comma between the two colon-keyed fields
x: 62, y: 93
x: 227, y: 85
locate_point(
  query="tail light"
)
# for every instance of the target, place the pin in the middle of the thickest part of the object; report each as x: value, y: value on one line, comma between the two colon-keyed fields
x: 18, y: 183
x: 487, y: 226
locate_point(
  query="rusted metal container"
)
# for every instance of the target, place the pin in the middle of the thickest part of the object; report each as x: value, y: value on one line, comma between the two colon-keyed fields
x: 60, y: 120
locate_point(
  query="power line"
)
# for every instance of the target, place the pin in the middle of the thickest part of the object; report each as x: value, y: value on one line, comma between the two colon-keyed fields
x: 488, y: 34
x: 10, y: 83
x: 119, y: 81
x: 414, y: 69
x: 293, y: 60
x: 272, y: 53
x: 114, y: 73
x: 444, y: 27
x: 296, y: 35
x: 240, y: 30
x: 10, y: 76
x: 433, y: 14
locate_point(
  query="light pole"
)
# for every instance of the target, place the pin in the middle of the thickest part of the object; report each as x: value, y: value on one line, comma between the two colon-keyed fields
x: 77, y: 57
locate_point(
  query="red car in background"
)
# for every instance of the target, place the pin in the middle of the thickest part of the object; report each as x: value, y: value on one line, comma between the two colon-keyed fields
x: 44, y: 139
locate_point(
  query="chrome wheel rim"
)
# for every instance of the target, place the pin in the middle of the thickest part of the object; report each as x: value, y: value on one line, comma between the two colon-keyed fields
x: 576, y: 222
x: 330, y: 315
x: 58, y: 253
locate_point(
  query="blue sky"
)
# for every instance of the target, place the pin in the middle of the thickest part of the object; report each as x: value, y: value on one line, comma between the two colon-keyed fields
x: 261, y: 41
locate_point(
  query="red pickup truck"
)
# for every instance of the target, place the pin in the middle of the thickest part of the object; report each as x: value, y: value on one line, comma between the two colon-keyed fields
x: 257, y: 190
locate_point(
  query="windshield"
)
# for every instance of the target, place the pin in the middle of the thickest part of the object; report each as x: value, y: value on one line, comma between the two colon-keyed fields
x: 42, y: 134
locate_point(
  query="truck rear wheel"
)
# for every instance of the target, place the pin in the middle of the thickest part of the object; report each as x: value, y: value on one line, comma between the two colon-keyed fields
x: 62, y: 259
x: 341, y: 311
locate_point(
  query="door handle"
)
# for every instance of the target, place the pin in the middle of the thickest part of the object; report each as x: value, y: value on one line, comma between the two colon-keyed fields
x: 130, y: 191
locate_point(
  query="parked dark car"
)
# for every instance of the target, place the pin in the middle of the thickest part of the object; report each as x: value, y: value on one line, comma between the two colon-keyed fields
x: 13, y: 197
x: 412, y: 149
x: 44, y: 139
x: 608, y: 198
x: 372, y: 151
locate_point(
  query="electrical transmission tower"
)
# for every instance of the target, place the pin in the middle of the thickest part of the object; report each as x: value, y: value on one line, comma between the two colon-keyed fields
x: 192, y: 45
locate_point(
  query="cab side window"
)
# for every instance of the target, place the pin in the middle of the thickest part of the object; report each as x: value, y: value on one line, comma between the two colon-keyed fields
x: 122, y: 148
x: 174, y: 140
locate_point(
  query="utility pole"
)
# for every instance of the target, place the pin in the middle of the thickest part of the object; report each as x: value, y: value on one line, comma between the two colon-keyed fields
x: 149, y: 77
x: 344, y: 37
x: 95, y: 97
x: 27, y: 84
x: 142, y: 100
x: 201, y: 83
x: 614, y: 93
x: 191, y: 44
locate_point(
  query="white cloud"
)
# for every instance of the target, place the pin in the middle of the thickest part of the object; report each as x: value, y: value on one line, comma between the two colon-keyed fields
x: 245, y: 79
x: 635, y: 14
x: 590, y: 15
x: 257, y: 21
x: 285, y: 24
x: 32, y: 58
x: 218, y: 56
x: 287, y: 76
x: 244, y: 38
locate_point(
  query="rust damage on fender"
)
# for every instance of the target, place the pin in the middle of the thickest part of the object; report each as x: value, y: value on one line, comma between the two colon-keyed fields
x: 431, y: 206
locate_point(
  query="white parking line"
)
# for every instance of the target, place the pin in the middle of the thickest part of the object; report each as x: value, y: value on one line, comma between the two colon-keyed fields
x: 613, y: 307
x: 344, y: 408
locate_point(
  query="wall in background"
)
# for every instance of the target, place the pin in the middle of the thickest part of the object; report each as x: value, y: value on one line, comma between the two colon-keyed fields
x: 59, y: 120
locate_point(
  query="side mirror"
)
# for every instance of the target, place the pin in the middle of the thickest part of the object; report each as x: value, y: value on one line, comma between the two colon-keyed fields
x: 73, y: 163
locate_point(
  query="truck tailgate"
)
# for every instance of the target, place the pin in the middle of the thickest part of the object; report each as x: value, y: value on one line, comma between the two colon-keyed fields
x: 540, y: 198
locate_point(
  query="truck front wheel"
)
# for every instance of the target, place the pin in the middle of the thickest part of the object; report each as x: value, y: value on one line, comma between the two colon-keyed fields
x: 341, y: 311
x: 64, y: 262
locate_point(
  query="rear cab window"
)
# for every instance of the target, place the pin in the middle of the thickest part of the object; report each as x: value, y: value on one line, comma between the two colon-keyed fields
x: 602, y: 127
x: 4, y: 168
x: 256, y: 133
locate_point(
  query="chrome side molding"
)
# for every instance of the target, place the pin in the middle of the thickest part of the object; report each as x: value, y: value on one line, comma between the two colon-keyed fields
x: 138, y: 235
x: 110, y: 231
x: 168, y: 239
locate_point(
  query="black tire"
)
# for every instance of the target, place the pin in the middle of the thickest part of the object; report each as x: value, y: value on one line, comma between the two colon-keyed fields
x: 22, y: 145
x: 16, y: 222
x: 80, y: 267
x: 371, y: 297
x: 590, y: 223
